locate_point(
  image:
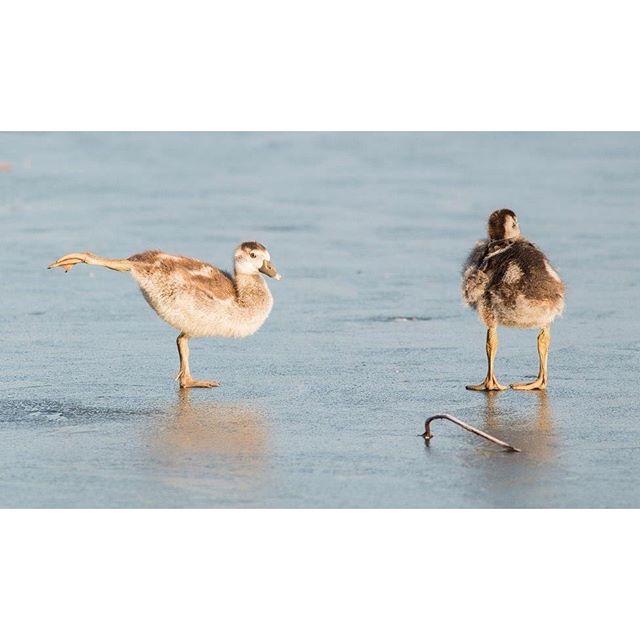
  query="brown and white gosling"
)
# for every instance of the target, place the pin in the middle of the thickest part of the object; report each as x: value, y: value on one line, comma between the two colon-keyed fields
x: 510, y: 282
x: 197, y: 298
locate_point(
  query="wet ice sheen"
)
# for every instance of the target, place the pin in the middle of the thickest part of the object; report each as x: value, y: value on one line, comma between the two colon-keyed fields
x: 368, y: 337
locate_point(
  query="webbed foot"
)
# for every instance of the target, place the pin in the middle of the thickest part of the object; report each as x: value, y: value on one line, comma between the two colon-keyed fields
x: 70, y: 260
x: 189, y: 383
x: 537, y: 385
x: 489, y: 384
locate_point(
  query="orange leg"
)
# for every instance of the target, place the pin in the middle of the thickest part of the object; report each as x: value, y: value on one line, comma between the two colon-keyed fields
x: 544, y: 340
x: 71, y: 259
x: 184, y: 375
x: 490, y: 382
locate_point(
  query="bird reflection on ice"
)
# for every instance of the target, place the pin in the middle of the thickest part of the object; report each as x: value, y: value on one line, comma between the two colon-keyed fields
x: 512, y: 479
x: 212, y: 430
x: 530, y: 428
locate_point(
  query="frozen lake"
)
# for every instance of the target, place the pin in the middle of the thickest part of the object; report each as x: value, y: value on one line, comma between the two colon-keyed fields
x: 368, y: 336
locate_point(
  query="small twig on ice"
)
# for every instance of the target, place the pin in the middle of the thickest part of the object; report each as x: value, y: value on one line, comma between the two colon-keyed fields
x: 427, y: 435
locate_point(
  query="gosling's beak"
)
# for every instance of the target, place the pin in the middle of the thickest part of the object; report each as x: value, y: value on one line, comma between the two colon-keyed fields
x: 269, y: 270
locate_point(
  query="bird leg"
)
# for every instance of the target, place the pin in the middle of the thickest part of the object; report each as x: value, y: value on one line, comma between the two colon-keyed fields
x: 184, y: 375
x: 544, y: 340
x: 72, y: 259
x: 490, y: 383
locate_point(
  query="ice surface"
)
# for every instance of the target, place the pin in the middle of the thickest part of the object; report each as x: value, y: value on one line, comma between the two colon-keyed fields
x: 367, y: 338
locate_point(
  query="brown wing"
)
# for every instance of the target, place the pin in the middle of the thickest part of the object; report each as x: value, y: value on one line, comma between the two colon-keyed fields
x: 524, y: 269
x: 180, y: 273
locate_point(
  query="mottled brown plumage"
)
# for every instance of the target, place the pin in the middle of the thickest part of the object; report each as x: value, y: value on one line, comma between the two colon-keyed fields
x: 510, y: 282
x: 203, y: 280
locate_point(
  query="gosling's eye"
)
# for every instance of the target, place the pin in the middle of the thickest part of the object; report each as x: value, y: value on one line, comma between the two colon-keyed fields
x: 253, y: 255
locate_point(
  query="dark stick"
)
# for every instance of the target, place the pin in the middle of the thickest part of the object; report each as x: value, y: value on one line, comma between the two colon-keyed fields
x: 443, y: 416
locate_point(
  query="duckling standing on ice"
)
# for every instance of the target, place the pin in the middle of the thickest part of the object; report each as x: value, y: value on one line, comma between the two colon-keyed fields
x: 197, y: 298
x: 510, y: 282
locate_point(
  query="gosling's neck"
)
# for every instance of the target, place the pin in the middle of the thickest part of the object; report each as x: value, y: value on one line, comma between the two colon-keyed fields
x: 252, y: 290
x: 509, y: 235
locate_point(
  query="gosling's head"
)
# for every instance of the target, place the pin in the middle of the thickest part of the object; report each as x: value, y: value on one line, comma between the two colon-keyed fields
x: 252, y: 258
x: 503, y: 225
